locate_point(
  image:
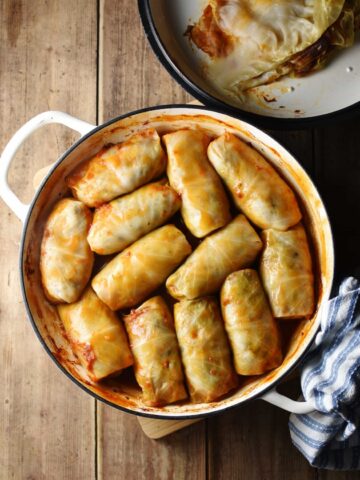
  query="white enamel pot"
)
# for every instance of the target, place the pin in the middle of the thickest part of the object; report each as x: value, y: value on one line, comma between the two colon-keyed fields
x: 328, y: 95
x: 123, y: 393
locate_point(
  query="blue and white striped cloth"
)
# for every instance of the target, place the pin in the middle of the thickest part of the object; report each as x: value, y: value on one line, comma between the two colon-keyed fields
x: 329, y: 437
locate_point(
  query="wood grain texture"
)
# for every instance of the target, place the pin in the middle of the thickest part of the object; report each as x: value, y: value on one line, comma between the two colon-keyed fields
x: 253, y: 442
x: 123, y: 447
x: 48, y: 60
x: 131, y: 77
x: 337, y: 175
x: 332, y: 475
x: 155, y: 429
x: 47, y: 427
x: 300, y: 144
x: 337, y: 160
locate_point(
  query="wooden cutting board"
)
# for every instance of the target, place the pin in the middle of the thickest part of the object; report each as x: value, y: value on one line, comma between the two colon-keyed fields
x: 155, y: 429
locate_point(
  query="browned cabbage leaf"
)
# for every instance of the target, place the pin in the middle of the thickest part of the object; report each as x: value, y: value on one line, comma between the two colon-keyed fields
x: 153, y: 342
x: 287, y: 274
x: 141, y: 268
x: 253, y: 333
x: 204, y: 349
x: 254, y: 42
x: 233, y: 247
x: 118, y: 169
x: 257, y: 189
x: 66, y: 259
x: 204, y: 205
x: 96, y: 335
x: 124, y: 220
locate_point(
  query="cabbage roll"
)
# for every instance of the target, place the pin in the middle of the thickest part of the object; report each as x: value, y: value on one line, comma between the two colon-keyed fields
x: 157, y: 365
x: 124, y: 220
x: 286, y: 272
x: 66, y: 259
x: 205, y: 351
x: 234, y: 246
x: 257, y: 189
x: 253, y: 333
x: 97, y: 336
x: 118, y: 169
x: 141, y: 268
x: 205, y: 206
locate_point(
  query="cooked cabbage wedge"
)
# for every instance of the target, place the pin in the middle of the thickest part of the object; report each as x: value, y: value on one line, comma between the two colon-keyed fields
x: 253, y: 42
x: 253, y: 333
x: 66, y: 259
x: 204, y: 349
x: 96, y: 335
x: 204, y: 205
x: 234, y: 246
x: 257, y: 189
x: 287, y: 274
x: 141, y: 268
x: 154, y: 345
x: 124, y: 220
x: 118, y: 169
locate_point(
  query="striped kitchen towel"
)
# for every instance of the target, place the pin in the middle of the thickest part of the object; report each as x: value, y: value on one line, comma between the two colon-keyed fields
x: 329, y: 437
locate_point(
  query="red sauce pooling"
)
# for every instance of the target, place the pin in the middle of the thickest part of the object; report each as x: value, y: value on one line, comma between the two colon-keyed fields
x: 89, y: 356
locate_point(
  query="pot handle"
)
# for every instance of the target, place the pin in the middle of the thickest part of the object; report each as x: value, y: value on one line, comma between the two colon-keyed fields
x: 20, y: 209
x: 276, y: 398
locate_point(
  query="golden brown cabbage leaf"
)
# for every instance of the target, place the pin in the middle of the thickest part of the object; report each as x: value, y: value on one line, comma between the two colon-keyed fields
x: 66, y: 259
x: 96, y: 335
x: 204, y: 349
x: 253, y: 333
x: 119, y: 223
x: 287, y: 274
x: 153, y: 342
x: 230, y: 248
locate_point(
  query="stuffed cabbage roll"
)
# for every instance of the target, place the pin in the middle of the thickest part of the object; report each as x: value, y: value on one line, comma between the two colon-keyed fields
x: 66, y: 259
x: 204, y: 349
x: 124, y: 220
x: 257, y: 189
x: 96, y: 335
x: 141, y: 268
x: 157, y: 365
x: 118, y: 169
x: 252, y: 330
x: 205, y: 206
x: 233, y: 247
x: 286, y: 272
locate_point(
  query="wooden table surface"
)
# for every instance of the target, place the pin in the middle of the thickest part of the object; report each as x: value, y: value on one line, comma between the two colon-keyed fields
x: 91, y: 59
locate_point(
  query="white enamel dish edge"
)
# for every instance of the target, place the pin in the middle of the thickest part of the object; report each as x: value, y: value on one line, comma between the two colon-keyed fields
x: 330, y: 94
x: 43, y: 316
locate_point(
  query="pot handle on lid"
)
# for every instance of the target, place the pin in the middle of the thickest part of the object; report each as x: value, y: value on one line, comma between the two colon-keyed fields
x: 20, y: 209
x: 276, y: 398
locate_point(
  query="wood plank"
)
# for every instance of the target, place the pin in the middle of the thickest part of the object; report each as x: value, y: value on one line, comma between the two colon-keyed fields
x: 128, y: 70
x: 337, y: 153
x: 131, y: 76
x: 253, y: 442
x: 155, y: 429
x: 338, y: 475
x: 300, y: 145
x: 47, y: 425
x: 123, y: 447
